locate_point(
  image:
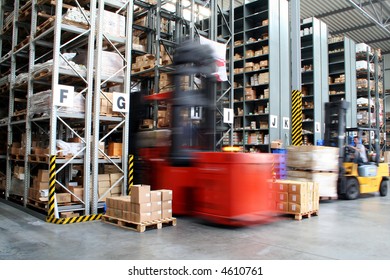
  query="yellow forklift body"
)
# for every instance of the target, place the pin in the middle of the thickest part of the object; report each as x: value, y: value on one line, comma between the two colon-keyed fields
x: 368, y: 184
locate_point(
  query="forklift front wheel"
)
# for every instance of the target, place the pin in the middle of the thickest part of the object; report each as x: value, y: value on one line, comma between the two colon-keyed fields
x: 352, y: 189
x: 383, y: 188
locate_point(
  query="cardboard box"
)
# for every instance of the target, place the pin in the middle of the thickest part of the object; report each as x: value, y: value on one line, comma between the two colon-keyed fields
x: 69, y: 214
x: 281, y: 186
x: 166, y: 194
x: 79, y: 192
x: 166, y: 205
x: 282, y: 196
x: 277, y: 144
x: 294, y: 208
x: 282, y: 206
x: 104, y: 185
x: 166, y: 213
x: 43, y: 175
x: 127, y: 215
x: 155, y: 196
x: 103, y: 177
x: 297, y: 187
x: 156, y: 215
x: 114, y: 149
x: 63, y: 197
x: 141, y: 207
x: 156, y: 206
x: 142, y: 217
x: 140, y: 193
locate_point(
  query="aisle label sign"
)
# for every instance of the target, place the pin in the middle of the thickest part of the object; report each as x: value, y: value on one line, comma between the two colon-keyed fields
x: 228, y: 115
x: 286, y: 123
x: 63, y: 96
x: 120, y: 102
x: 318, y: 127
x: 196, y: 113
x: 274, y: 121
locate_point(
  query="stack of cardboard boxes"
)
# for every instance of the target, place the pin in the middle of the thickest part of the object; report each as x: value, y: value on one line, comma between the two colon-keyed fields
x: 143, y: 205
x: 294, y: 197
x: 39, y: 189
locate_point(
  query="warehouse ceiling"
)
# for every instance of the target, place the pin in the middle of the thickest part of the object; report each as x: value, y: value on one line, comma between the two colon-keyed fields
x: 364, y: 21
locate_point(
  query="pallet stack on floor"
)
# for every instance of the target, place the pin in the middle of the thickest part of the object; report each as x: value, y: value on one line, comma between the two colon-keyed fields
x: 315, y: 164
x: 298, y: 198
x: 142, y: 209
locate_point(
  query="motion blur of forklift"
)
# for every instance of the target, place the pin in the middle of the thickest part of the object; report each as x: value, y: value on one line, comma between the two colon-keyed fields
x: 225, y: 188
x: 355, y: 177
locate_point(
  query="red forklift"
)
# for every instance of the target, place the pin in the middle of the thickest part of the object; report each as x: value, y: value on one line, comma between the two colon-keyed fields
x: 227, y: 188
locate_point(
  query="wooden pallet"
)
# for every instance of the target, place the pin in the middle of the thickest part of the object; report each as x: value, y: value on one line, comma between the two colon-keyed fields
x: 17, y: 157
x: 323, y: 198
x: 38, y: 158
x: 41, y: 205
x: 300, y: 216
x: 139, y: 227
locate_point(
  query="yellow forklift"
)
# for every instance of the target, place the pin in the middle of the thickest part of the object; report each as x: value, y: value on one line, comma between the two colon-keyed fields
x: 355, y: 178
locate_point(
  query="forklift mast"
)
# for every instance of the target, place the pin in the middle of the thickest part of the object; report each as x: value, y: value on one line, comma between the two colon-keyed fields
x: 192, y: 59
x: 335, y: 126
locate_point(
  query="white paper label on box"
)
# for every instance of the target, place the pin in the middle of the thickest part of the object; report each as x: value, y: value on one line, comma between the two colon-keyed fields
x: 120, y: 102
x: 294, y: 197
x: 294, y: 188
x: 293, y: 207
x: 63, y: 96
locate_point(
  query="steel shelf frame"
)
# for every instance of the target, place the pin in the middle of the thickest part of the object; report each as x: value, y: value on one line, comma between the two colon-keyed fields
x: 85, y: 126
x: 346, y: 59
x: 315, y: 45
x: 123, y: 121
x: 279, y: 87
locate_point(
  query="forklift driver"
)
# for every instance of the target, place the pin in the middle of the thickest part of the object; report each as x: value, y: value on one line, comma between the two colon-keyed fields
x: 360, y: 155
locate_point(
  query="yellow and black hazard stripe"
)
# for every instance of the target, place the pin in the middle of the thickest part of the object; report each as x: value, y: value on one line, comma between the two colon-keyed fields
x: 72, y: 220
x: 296, y: 115
x: 51, y: 204
x: 52, y: 186
x: 130, y: 174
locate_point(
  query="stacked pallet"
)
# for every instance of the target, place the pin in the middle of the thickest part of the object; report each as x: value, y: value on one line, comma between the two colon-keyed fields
x: 143, y: 208
x: 315, y: 164
x: 295, y: 197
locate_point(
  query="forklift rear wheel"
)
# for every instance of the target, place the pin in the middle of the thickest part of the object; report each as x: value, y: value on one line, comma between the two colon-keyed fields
x: 352, y: 189
x: 383, y: 188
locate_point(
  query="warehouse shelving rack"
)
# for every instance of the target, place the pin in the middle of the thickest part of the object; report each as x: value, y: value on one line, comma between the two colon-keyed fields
x: 259, y: 29
x: 52, y: 39
x: 342, y: 74
x: 370, y: 87
x: 314, y: 63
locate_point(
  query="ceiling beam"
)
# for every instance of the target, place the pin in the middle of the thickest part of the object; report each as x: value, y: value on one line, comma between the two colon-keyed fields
x: 343, y: 10
x: 377, y: 40
x: 354, y: 28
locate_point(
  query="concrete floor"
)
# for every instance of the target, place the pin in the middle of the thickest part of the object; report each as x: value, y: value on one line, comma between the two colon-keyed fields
x: 344, y: 230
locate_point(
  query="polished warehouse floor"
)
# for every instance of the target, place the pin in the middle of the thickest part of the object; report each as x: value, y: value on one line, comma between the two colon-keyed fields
x: 343, y: 230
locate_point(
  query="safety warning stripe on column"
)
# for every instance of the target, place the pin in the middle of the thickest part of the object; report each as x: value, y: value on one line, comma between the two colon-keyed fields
x: 51, y: 204
x: 52, y: 184
x: 130, y: 174
x: 72, y: 220
x: 296, y: 115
